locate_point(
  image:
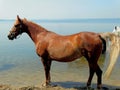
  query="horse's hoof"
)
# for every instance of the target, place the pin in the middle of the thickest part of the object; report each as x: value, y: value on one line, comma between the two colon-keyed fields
x: 99, y: 87
x: 48, y: 85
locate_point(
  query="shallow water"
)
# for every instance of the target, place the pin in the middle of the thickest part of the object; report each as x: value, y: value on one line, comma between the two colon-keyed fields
x: 19, y: 64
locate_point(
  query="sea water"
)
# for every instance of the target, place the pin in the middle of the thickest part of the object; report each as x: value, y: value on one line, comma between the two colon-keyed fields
x: 20, y: 65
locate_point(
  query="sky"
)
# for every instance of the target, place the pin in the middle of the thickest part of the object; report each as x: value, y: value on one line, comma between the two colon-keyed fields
x: 59, y: 9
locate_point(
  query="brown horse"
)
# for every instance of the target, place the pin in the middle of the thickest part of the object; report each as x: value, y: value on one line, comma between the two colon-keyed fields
x: 51, y: 46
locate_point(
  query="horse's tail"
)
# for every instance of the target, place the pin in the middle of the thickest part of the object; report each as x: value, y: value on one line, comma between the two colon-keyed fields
x: 114, y: 53
x: 103, y: 45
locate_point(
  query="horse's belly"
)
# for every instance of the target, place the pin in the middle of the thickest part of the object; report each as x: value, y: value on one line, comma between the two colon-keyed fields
x: 64, y: 51
x: 65, y: 57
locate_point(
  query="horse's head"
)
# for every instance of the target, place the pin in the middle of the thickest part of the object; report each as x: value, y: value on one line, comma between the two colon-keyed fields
x: 18, y: 28
x: 116, y: 30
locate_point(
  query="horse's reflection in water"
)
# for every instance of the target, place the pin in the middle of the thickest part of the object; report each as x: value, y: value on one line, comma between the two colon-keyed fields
x: 51, y: 46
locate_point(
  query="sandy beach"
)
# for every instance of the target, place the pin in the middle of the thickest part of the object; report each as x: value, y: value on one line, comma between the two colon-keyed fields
x: 60, y: 86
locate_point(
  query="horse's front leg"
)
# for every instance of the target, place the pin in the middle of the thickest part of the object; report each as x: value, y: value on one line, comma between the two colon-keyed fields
x: 47, y: 65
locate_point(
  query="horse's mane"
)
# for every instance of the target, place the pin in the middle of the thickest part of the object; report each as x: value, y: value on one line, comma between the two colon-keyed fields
x: 33, y: 25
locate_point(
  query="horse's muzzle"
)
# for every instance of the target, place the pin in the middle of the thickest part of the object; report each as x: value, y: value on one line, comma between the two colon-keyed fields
x: 10, y: 37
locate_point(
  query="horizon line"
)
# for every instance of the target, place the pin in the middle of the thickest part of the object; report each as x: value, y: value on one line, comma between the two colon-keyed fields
x: 83, y: 20
x: 61, y: 18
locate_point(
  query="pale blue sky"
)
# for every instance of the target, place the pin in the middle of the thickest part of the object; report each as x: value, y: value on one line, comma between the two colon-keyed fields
x: 59, y: 9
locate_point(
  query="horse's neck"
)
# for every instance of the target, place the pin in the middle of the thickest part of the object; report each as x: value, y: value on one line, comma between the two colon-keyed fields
x: 34, y: 30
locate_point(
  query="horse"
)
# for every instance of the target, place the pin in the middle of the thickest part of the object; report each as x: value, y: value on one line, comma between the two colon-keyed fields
x: 116, y: 30
x: 51, y: 46
x: 113, y: 42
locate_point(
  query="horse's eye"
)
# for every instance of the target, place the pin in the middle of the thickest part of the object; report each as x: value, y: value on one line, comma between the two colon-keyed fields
x: 17, y: 25
x: 20, y: 26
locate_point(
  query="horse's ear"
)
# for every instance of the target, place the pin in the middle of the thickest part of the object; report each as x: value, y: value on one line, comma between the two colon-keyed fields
x: 115, y: 27
x: 25, y: 19
x: 19, y: 19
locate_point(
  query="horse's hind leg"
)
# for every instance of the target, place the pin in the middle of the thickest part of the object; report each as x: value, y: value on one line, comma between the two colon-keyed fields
x: 99, y: 77
x: 93, y: 67
x: 97, y: 69
x: 91, y: 74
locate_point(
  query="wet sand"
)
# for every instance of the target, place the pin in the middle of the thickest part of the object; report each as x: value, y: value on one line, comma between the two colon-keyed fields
x: 60, y: 86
